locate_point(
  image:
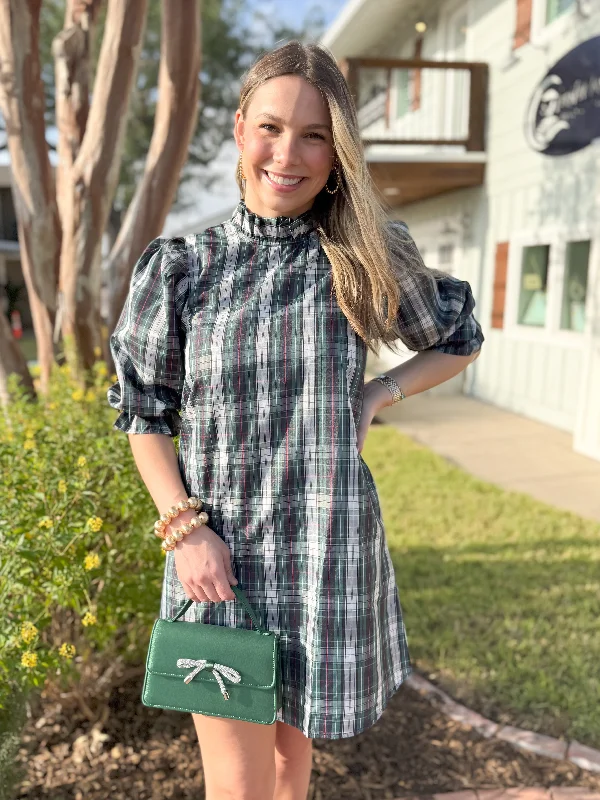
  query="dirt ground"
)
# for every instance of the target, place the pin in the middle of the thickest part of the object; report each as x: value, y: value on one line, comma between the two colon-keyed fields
x: 136, y: 753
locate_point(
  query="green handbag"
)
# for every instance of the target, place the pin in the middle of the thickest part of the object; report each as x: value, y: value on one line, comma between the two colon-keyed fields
x: 214, y: 669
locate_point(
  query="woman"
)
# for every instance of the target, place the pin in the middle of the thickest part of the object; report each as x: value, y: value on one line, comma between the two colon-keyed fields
x: 249, y: 340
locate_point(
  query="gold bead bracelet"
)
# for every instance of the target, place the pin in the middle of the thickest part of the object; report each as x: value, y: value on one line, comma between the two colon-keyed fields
x: 177, y: 535
x: 161, y: 524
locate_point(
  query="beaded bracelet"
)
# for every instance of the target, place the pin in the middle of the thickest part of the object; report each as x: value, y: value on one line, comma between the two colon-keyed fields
x: 171, y: 539
x: 177, y: 535
x: 165, y: 519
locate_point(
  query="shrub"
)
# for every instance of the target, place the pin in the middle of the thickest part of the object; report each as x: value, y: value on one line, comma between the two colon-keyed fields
x: 80, y: 568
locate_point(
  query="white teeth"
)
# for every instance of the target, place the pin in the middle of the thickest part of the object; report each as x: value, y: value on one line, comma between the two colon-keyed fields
x: 283, y: 181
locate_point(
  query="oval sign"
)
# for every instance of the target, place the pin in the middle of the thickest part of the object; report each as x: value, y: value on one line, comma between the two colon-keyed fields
x: 564, y: 111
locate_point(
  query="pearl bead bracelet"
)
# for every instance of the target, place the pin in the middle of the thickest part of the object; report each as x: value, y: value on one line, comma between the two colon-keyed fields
x: 171, y: 539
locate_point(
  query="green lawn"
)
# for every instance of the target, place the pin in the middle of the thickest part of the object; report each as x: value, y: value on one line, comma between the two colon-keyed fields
x: 500, y: 592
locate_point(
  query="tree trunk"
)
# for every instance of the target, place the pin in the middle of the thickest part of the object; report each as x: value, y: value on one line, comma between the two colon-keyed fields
x: 22, y: 105
x: 175, y: 122
x: 72, y: 52
x: 92, y: 185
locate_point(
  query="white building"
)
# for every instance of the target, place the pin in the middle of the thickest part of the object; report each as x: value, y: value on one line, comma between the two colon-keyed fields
x: 494, y: 167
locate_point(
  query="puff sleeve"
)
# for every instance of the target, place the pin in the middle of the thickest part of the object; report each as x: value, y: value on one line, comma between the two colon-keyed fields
x: 436, y: 309
x: 148, y: 341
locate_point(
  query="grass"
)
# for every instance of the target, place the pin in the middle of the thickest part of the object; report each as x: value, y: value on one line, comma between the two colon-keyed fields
x: 500, y: 592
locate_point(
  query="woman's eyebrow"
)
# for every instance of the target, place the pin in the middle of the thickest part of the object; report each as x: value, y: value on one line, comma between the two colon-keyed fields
x: 281, y: 122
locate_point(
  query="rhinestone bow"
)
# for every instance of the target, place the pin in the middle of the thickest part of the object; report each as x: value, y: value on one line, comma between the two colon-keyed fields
x: 218, y: 670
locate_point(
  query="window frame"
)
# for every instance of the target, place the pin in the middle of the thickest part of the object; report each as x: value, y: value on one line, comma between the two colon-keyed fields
x: 557, y: 238
x: 542, y: 31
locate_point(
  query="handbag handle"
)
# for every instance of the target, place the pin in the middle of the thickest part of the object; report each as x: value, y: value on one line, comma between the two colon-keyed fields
x: 241, y: 596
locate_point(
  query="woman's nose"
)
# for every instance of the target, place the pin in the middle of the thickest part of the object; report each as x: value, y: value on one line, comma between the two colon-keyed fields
x: 286, y: 152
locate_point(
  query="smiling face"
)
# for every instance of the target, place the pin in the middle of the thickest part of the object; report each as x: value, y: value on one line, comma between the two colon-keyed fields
x: 287, y: 146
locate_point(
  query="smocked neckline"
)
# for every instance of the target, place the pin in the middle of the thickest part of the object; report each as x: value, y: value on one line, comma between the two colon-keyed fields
x: 273, y: 228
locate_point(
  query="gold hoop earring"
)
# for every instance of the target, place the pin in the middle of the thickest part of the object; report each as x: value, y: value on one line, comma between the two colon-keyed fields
x: 240, y: 169
x: 338, y: 181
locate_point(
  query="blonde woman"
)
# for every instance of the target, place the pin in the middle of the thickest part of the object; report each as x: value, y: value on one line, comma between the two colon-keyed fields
x: 249, y: 340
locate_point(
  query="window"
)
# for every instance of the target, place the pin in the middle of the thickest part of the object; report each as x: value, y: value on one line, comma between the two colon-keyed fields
x: 555, y: 8
x: 572, y: 317
x: 446, y: 256
x: 534, y: 282
x: 402, y: 85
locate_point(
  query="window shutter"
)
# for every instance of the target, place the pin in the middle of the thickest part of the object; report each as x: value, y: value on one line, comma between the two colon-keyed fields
x: 415, y: 104
x: 523, y: 23
x: 500, y: 285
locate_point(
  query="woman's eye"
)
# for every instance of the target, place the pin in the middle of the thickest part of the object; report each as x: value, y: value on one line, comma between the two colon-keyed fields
x: 267, y: 125
x: 318, y: 135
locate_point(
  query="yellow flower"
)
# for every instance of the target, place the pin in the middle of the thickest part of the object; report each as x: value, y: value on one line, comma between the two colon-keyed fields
x: 28, y: 444
x: 30, y: 433
x: 28, y: 632
x: 45, y: 522
x: 90, y: 396
x: 67, y: 650
x: 97, y: 351
x: 29, y: 659
x: 114, y: 378
x: 91, y: 561
x: 95, y: 523
x: 88, y: 619
x: 62, y: 487
x: 52, y: 406
x: 81, y: 461
x: 77, y: 395
x: 9, y: 436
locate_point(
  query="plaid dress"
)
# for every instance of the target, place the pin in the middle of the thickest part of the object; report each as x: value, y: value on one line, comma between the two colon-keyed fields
x: 233, y: 340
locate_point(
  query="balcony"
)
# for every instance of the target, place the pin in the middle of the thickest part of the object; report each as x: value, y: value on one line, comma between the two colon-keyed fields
x: 422, y: 124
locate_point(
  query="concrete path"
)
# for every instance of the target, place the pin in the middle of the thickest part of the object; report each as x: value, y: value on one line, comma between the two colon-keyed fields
x: 503, y: 448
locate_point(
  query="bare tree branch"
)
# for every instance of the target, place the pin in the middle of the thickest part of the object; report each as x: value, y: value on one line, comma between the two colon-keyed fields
x: 175, y: 122
x: 93, y: 181
x: 22, y: 105
x: 71, y: 51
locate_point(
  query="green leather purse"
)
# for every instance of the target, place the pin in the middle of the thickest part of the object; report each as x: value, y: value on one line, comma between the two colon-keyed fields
x: 214, y: 669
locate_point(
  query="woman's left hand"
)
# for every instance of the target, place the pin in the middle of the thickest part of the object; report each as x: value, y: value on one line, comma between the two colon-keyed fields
x: 375, y: 398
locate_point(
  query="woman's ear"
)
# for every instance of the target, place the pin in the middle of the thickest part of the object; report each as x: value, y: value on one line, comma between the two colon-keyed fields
x: 238, y: 129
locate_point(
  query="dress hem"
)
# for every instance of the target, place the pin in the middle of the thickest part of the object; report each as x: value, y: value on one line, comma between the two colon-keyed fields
x: 406, y: 672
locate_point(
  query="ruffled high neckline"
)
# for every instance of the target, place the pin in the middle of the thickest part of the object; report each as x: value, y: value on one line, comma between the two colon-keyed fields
x: 276, y: 228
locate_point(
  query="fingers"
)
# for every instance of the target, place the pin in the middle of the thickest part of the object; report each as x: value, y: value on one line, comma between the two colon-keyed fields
x: 195, y: 593
x: 204, y: 567
x: 211, y: 592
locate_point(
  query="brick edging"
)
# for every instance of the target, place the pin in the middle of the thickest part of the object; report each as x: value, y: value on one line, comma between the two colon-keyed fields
x: 584, y: 757
x: 515, y: 793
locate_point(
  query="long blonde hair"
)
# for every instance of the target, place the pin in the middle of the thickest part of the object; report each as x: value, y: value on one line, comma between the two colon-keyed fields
x: 367, y: 254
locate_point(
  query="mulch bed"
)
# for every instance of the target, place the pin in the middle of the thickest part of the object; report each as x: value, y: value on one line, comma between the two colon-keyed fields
x: 139, y: 753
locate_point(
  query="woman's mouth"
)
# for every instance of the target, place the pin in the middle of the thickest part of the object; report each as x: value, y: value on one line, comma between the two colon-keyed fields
x: 283, y: 183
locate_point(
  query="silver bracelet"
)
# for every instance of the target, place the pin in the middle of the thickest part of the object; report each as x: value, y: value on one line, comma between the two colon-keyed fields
x: 392, y: 386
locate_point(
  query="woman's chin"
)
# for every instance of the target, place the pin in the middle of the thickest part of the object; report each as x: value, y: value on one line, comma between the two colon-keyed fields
x: 284, y: 205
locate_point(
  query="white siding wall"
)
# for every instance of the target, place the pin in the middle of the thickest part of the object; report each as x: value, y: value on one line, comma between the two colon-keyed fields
x: 535, y: 372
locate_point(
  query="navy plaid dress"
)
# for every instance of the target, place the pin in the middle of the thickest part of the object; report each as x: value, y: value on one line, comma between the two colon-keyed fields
x: 233, y: 340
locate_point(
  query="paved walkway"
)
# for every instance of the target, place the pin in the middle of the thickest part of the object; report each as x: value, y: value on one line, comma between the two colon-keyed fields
x: 503, y: 448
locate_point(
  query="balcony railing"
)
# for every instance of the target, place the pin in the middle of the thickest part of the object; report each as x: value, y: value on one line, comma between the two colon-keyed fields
x: 431, y: 104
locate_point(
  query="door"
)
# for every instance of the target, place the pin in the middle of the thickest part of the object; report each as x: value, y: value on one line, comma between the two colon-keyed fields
x: 587, y: 427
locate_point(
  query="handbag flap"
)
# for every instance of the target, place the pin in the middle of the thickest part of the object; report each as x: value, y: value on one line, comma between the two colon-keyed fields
x: 251, y: 653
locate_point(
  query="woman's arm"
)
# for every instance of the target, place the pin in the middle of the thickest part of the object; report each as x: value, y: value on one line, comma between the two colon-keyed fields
x: 202, y: 559
x: 425, y: 370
